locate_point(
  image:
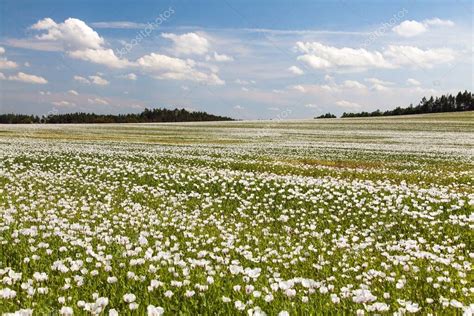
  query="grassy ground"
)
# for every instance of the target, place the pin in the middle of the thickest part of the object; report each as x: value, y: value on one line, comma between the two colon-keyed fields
x: 309, y: 217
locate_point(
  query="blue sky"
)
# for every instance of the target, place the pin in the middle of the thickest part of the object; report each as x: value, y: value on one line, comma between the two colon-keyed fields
x: 245, y: 59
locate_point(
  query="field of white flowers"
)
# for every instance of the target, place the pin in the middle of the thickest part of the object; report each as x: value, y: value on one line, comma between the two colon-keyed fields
x: 353, y: 216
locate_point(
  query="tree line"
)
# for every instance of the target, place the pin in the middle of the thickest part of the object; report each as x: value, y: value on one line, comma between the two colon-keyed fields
x: 463, y: 101
x: 324, y: 116
x: 147, y: 116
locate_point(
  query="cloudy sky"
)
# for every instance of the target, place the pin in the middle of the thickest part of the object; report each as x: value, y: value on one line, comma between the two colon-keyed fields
x: 243, y: 59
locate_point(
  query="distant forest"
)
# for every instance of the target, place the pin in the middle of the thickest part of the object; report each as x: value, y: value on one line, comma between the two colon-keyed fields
x: 324, y: 116
x: 147, y: 116
x: 463, y: 101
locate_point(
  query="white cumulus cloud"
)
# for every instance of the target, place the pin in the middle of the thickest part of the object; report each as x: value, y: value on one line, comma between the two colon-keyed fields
x: 105, y: 57
x: 222, y: 57
x: 23, y: 77
x: 130, y: 76
x: 188, y: 44
x: 98, y: 80
x: 439, y: 22
x: 98, y: 101
x: 416, y: 57
x: 4, y: 62
x: 410, y: 28
x: 73, y: 33
x: 298, y: 87
x: 81, y: 79
x: 320, y: 56
x: 165, y: 67
x: 79, y: 40
x: 296, y: 70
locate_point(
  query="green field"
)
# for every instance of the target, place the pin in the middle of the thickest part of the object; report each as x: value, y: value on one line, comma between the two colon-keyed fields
x: 311, y: 217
